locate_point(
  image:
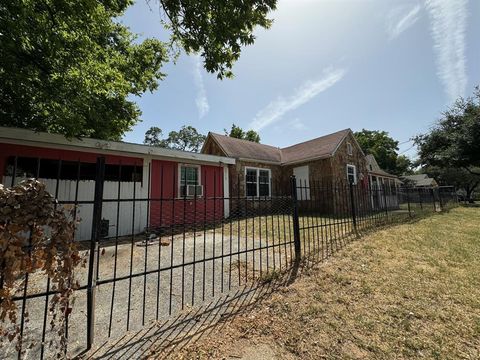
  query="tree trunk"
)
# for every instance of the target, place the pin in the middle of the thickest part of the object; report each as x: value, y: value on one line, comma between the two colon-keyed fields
x: 469, y: 195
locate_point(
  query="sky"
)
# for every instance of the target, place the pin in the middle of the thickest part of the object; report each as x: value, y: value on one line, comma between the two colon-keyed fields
x: 323, y: 66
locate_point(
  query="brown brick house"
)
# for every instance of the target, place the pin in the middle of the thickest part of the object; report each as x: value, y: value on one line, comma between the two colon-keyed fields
x: 264, y: 170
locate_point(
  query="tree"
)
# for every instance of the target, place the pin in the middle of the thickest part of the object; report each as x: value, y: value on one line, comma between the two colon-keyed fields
x: 70, y: 67
x: 404, y: 166
x: 239, y: 133
x: 186, y: 139
x: 385, y: 150
x: 458, y: 177
x: 216, y: 29
x: 453, y: 141
x: 252, y: 135
x: 153, y: 137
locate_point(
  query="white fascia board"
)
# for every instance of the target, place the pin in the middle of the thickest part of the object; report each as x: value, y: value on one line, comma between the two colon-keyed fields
x: 32, y: 138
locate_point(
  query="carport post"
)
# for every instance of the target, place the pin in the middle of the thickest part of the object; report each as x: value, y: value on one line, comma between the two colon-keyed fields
x: 296, y: 222
x: 92, y: 263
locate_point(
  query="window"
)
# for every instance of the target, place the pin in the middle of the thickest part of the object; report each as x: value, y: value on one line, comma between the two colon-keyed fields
x: 189, y: 180
x: 71, y: 170
x: 349, y: 148
x: 257, y: 182
x: 352, y: 174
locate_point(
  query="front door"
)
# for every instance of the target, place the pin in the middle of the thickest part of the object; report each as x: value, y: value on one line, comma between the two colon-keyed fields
x: 303, y: 182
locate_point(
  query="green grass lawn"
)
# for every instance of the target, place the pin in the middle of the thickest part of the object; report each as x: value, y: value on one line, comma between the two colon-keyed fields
x: 410, y: 291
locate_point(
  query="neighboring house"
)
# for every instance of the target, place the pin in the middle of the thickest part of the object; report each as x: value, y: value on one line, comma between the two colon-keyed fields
x: 420, y: 181
x: 264, y: 170
x: 384, y: 186
x: 129, y: 170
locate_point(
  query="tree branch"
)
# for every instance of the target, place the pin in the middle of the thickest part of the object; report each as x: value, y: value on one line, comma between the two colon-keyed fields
x: 471, y: 171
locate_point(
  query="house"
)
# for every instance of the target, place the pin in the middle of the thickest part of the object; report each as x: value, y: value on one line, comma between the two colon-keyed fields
x: 163, y: 182
x: 264, y: 171
x: 384, y: 186
x: 420, y: 181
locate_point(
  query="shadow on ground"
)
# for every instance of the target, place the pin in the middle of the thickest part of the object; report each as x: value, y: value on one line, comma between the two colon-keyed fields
x: 160, y: 339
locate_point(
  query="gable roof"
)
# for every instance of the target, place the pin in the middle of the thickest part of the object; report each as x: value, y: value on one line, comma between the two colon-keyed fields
x: 421, y: 180
x: 319, y: 148
x: 244, y: 149
x: 374, y: 168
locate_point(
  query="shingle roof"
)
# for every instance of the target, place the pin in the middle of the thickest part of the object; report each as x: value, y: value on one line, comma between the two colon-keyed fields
x: 374, y: 168
x: 247, y: 149
x: 318, y: 148
x: 421, y: 180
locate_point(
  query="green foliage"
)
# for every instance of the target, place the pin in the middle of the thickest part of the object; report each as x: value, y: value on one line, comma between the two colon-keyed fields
x: 404, y: 166
x: 385, y: 150
x: 454, y: 141
x: 153, y: 137
x: 186, y: 139
x: 239, y: 133
x: 458, y: 177
x: 69, y: 67
x: 216, y: 28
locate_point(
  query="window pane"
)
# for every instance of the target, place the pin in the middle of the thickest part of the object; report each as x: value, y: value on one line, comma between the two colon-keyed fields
x: 251, y: 182
x: 251, y: 175
x: 263, y: 177
x: 189, y: 175
x: 251, y: 189
x: 351, y: 174
x: 264, y: 189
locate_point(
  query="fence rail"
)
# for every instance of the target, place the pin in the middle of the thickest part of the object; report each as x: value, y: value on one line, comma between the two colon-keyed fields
x: 192, y: 249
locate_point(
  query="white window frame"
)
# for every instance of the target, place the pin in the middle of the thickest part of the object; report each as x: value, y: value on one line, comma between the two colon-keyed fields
x: 257, y: 169
x: 350, y: 166
x: 349, y: 148
x: 199, y: 177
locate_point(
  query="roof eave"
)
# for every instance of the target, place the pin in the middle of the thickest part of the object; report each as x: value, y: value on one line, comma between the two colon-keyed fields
x: 32, y: 138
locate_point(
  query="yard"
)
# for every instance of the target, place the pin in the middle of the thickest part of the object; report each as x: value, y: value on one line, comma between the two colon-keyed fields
x: 405, y: 292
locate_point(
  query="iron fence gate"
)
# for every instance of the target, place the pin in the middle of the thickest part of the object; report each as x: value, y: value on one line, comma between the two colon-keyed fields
x: 189, y: 248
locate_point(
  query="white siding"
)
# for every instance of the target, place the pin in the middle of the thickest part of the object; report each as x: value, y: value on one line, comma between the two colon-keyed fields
x: 126, y: 221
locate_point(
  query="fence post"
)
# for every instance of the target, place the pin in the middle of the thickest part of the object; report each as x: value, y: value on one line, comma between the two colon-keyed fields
x: 420, y: 200
x: 352, y: 205
x: 408, y: 201
x: 440, y: 202
x: 92, y: 264
x: 296, y: 222
x: 385, y: 200
x: 432, y: 192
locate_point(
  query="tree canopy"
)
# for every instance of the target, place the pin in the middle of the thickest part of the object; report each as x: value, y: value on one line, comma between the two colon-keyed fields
x: 454, y: 140
x: 385, y: 150
x: 70, y: 67
x: 239, y: 133
x: 186, y: 139
x: 458, y: 177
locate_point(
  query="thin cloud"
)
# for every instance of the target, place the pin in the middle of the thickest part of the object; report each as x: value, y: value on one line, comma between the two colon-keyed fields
x: 399, y: 21
x: 201, y: 100
x: 448, y: 26
x: 297, y: 124
x: 306, y: 92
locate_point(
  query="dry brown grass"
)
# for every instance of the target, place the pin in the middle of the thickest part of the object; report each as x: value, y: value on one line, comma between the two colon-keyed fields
x: 407, y: 292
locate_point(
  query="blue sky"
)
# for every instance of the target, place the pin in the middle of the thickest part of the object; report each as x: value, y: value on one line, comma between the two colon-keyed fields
x: 324, y: 66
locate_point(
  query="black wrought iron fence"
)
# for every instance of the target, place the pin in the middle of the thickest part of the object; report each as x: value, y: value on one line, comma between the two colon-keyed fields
x: 155, y: 249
